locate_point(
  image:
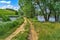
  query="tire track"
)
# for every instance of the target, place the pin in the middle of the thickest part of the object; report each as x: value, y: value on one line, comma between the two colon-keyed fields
x: 33, y: 33
x: 17, y: 31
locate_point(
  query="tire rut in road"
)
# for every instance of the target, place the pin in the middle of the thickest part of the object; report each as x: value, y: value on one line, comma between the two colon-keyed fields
x: 17, y: 31
x: 33, y: 33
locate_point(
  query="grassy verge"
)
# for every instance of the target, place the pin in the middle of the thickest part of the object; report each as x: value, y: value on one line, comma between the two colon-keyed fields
x: 23, y: 35
x: 47, y: 30
x: 6, y: 28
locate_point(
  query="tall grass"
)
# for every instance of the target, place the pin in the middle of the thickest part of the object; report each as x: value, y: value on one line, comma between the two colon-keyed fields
x: 23, y: 35
x: 8, y: 27
x: 47, y: 30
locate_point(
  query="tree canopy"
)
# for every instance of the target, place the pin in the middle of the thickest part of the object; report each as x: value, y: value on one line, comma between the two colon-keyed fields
x: 45, y: 7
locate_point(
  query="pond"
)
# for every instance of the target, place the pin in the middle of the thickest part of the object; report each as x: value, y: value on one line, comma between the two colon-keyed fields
x: 41, y: 18
x: 0, y: 19
x: 11, y: 18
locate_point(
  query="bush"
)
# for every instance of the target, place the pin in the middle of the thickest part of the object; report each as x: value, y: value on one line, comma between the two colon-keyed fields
x: 5, y: 18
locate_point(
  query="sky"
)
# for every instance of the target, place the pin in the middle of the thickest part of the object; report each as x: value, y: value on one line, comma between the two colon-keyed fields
x: 12, y: 4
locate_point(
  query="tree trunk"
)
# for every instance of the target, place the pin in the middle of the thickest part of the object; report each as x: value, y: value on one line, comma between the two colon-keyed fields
x: 56, y: 17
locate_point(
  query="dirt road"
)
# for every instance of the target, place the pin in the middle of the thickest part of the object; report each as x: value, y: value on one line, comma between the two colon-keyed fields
x: 33, y: 34
x: 17, y: 31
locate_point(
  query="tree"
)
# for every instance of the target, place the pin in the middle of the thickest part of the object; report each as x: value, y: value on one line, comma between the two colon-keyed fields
x: 48, y: 4
x: 27, y: 8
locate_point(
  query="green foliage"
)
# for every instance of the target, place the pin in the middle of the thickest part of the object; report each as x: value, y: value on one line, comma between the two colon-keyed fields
x: 5, y: 18
x: 27, y: 8
x: 7, y: 27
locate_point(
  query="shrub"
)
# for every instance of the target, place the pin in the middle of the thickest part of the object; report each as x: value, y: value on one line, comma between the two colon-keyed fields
x: 5, y: 18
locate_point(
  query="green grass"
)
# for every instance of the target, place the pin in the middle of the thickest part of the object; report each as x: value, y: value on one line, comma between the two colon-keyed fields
x: 24, y: 35
x: 7, y: 12
x: 6, y: 28
x: 47, y: 30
